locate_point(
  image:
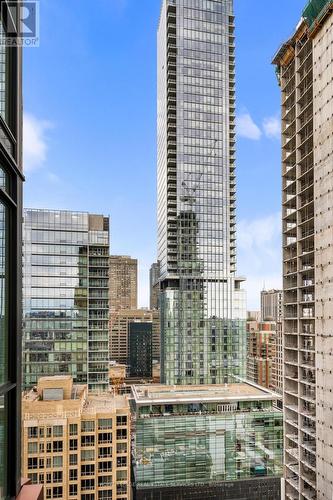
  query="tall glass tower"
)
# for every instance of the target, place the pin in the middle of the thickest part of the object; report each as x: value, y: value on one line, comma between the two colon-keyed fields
x: 65, y: 292
x: 202, y: 304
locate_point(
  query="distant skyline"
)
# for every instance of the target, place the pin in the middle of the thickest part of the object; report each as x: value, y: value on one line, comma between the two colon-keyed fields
x: 90, y: 125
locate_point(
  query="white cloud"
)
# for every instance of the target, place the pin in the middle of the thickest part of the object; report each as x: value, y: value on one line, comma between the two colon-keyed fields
x: 259, y: 255
x: 247, y: 128
x: 34, y: 142
x: 272, y: 127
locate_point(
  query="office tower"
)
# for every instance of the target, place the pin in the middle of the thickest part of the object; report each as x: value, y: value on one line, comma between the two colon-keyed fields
x: 304, y: 69
x: 119, y: 334
x: 76, y: 444
x: 65, y: 291
x: 253, y: 316
x: 261, y: 352
x: 140, y: 349
x: 203, y: 315
x: 154, y: 276
x: 123, y: 283
x: 206, y: 442
x: 271, y: 305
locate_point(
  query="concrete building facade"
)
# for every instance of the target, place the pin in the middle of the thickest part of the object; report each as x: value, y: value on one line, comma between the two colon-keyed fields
x: 65, y: 297
x: 271, y: 305
x: 304, y: 66
x: 77, y: 445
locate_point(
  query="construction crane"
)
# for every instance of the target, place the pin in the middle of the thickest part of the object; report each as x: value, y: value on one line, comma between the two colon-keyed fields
x: 190, y: 196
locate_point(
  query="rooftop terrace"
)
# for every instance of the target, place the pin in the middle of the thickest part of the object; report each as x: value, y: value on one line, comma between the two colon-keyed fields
x: 144, y: 394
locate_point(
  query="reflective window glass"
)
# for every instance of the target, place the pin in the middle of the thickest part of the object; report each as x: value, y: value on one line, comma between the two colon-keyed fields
x: 3, y: 297
x: 3, y: 447
x: 3, y: 73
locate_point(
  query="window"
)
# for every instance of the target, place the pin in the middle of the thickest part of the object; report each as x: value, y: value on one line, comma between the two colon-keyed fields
x: 87, y: 455
x: 3, y: 75
x: 121, y: 489
x: 73, y: 474
x: 57, y: 431
x: 32, y: 448
x: 3, y: 290
x: 105, y: 452
x: 57, y: 446
x: 87, y: 484
x: 73, y: 444
x: 57, y: 461
x: 104, y: 481
x: 88, y: 470
x: 32, y: 432
x: 48, y: 447
x: 87, y: 441
x: 72, y: 459
x: 121, y: 433
x: 57, y: 492
x: 105, y: 495
x: 87, y: 426
x: 57, y: 477
x: 121, y: 447
x: 121, y: 461
x: 48, y: 493
x: 121, y: 475
x: 33, y: 478
x: 121, y: 420
x: 73, y: 429
x: 105, y: 423
x: 90, y: 496
x: 33, y: 463
x: 72, y: 490
x: 105, y: 467
x: 105, y: 437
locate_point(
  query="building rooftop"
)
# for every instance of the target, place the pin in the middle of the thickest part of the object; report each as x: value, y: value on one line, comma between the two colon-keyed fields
x: 147, y: 394
x: 105, y: 404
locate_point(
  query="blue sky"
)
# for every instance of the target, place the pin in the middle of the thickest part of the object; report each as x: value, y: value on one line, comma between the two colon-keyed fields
x: 90, y: 124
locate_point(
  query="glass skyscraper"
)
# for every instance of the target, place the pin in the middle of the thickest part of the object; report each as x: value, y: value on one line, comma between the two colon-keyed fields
x: 203, y: 307
x: 11, y: 178
x: 65, y: 291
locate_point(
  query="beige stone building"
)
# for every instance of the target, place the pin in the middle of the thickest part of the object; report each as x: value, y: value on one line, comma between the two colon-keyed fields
x: 119, y: 325
x: 304, y: 66
x: 76, y: 445
x: 261, y: 353
x: 271, y: 309
x: 123, y: 275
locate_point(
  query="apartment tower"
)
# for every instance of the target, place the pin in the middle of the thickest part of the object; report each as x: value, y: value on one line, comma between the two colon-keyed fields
x: 75, y: 443
x: 154, y: 275
x: 304, y: 68
x: 272, y: 310
x: 123, y: 283
x: 65, y: 292
x: 203, y: 314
